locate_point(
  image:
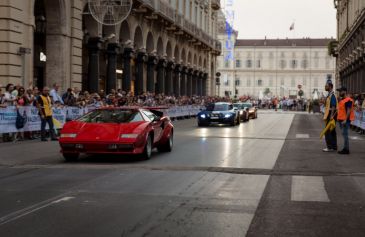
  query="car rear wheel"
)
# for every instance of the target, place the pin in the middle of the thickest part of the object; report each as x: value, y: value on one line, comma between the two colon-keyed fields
x: 147, y: 151
x: 167, y: 147
x: 71, y: 157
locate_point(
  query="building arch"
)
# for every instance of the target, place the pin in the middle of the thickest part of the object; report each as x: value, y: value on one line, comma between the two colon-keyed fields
x: 195, y: 60
x: 50, y: 43
x: 159, y: 48
x: 168, y: 50
x: 124, y: 33
x: 189, y: 58
x: 177, y: 54
x: 150, y: 45
x: 183, y: 56
x: 138, y: 38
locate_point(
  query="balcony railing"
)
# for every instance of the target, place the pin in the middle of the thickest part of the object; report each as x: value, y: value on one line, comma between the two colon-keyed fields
x: 165, y: 10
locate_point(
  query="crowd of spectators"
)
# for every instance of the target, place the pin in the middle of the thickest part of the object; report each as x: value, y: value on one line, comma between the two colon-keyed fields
x: 18, y: 96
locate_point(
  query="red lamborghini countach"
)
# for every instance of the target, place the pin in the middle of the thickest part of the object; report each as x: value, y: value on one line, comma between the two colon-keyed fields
x: 123, y: 130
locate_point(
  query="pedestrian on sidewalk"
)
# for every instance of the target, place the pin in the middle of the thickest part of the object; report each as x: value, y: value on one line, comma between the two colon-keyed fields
x: 346, y: 114
x: 330, y: 113
x: 44, y: 104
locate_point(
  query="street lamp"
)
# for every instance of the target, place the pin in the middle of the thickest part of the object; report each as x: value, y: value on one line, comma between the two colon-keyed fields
x: 217, y: 81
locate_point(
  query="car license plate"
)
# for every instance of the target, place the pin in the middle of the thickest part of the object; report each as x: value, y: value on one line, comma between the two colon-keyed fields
x: 215, y: 117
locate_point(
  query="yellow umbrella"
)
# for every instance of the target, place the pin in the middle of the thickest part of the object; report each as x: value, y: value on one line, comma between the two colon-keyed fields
x: 330, y: 126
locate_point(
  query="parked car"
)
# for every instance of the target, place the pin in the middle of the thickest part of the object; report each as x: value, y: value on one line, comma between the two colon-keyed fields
x: 218, y: 113
x: 124, y: 130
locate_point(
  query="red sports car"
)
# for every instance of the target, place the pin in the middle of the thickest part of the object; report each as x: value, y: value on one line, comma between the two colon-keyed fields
x: 124, y: 130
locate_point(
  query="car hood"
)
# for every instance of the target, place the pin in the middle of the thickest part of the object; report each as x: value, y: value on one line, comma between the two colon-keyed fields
x: 102, y: 131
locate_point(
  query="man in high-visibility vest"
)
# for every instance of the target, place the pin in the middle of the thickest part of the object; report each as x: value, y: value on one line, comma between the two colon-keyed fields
x: 345, y: 115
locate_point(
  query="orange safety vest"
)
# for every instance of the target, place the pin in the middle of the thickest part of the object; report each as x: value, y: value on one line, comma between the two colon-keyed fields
x: 342, y: 115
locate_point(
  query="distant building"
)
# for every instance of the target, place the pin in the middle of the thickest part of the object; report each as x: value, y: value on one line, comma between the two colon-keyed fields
x: 276, y: 67
x: 350, y: 48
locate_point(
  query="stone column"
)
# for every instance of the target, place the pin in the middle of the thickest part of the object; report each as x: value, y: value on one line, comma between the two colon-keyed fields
x: 169, y: 78
x: 205, y: 84
x: 183, y: 80
x: 139, y: 83
x: 111, y: 78
x: 200, y: 83
x: 195, y: 82
x: 152, y: 62
x: 161, y: 71
x: 177, y: 80
x: 94, y: 46
x: 127, y: 56
x: 189, y: 82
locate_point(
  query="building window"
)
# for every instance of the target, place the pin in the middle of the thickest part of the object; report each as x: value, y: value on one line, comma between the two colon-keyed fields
x: 282, y: 81
x: 226, y: 81
x: 292, y: 82
x: 237, y: 82
x: 226, y: 64
x: 248, y: 82
x: 305, y: 64
x: 249, y: 63
x: 271, y: 82
x: 304, y: 81
x: 282, y: 64
x: 293, y: 64
x: 258, y: 63
x: 238, y: 63
x: 259, y: 82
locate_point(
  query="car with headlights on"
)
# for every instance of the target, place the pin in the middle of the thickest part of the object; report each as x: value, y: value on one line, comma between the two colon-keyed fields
x: 119, y: 131
x: 242, y: 111
x: 252, y: 110
x: 218, y: 113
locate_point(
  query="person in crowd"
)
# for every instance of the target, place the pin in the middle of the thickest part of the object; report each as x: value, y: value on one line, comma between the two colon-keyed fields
x: 56, y: 98
x: 29, y: 97
x: 16, y: 90
x: 69, y: 98
x: 2, y: 95
x: 44, y: 104
x: 9, y: 100
x: 76, y: 92
x: 346, y: 115
x: 21, y: 98
x: 330, y: 113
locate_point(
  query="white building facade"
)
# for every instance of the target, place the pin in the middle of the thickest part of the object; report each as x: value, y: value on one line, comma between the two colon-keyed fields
x: 275, y: 67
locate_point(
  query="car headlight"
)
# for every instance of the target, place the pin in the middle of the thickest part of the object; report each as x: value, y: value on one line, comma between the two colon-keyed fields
x: 203, y: 116
x: 241, y: 112
x: 132, y: 135
x: 68, y: 135
x: 227, y: 115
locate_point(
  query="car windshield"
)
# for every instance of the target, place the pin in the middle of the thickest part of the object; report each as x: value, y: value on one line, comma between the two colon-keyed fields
x: 111, y: 116
x: 238, y: 106
x: 219, y: 107
x: 247, y: 105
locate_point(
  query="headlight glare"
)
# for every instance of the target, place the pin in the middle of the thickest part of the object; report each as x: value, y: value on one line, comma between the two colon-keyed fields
x: 132, y: 135
x: 68, y: 135
x: 202, y: 116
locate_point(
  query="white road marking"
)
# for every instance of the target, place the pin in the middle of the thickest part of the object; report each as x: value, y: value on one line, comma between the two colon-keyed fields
x: 308, y: 189
x: 31, y: 209
x: 302, y: 136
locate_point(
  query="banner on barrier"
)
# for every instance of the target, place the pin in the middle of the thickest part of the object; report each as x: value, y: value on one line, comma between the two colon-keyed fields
x: 8, y: 116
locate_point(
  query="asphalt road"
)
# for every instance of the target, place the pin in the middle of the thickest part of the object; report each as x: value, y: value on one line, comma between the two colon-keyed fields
x: 267, y: 177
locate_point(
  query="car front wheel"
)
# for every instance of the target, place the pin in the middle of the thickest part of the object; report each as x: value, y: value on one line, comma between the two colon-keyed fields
x: 167, y: 147
x: 147, y: 151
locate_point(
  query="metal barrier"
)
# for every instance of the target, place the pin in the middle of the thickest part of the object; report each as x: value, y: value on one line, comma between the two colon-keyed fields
x: 359, y: 120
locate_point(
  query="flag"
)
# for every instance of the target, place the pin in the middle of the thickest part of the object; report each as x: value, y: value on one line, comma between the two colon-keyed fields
x: 292, y: 26
x: 330, y: 126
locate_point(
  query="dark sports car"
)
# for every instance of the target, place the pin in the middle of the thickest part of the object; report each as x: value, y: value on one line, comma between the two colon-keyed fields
x: 242, y: 111
x: 125, y: 130
x: 218, y: 113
